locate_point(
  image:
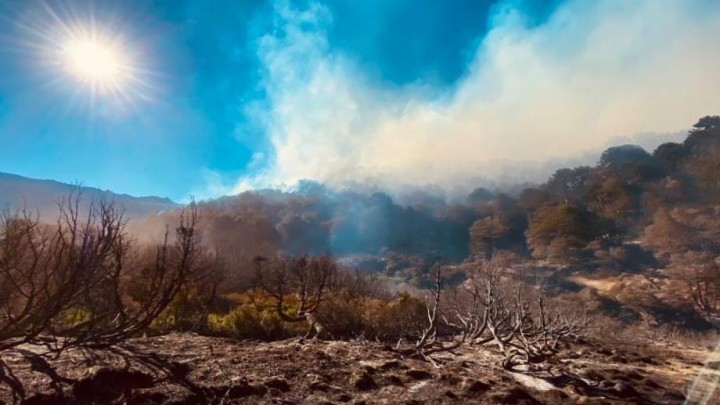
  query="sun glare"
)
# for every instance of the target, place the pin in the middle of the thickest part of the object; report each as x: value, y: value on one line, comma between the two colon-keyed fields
x: 97, y: 58
x: 94, y: 61
x: 98, y: 64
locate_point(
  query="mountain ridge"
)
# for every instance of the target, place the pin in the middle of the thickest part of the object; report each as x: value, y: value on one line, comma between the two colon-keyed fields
x: 18, y: 191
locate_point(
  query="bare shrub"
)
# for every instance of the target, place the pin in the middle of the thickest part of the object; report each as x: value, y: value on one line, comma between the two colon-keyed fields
x: 304, y: 280
x: 430, y: 341
x: 32, y: 290
x: 155, y: 277
x: 73, y: 280
x: 196, y: 299
x: 496, y: 306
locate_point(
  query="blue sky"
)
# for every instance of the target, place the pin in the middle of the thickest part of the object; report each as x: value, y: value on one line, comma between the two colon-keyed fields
x: 228, y: 95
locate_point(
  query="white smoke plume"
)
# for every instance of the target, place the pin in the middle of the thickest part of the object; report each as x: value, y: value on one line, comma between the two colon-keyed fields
x: 593, y: 72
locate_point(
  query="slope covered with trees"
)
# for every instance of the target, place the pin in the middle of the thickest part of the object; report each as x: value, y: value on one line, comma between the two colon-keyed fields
x: 634, y: 213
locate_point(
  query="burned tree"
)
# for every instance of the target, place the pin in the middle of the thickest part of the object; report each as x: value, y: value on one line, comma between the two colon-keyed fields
x: 299, y: 282
x: 31, y: 289
x: 95, y: 248
x: 539, y: 325
x: 497, y: 307
x: 206, y: 281
x: 70, y: 280
x: 695, y: 280
x: 429, y: 341
x: 141, y: 285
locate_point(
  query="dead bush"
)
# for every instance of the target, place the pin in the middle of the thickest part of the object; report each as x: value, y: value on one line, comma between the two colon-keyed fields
x: 81, y: 280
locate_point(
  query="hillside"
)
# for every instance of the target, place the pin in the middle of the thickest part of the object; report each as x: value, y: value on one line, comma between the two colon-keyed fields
x: 637, y: 231
x: 43, y: 195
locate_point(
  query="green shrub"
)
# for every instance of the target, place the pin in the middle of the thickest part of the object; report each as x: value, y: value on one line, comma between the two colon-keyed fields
x: 344, y: 316
x: 404, y: 317
x: 255, y: 318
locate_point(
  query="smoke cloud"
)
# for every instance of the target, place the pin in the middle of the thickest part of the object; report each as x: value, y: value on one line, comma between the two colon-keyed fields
x: 532, y: 94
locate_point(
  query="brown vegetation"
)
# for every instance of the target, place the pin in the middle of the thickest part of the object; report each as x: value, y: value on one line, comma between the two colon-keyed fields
x: 81, y: 281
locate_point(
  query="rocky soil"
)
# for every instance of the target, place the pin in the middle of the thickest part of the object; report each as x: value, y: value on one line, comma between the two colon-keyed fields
x: 187, y: 368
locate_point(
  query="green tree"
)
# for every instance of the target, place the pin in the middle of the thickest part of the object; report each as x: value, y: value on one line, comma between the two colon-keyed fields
x: 703, y: 162
x: 484, y: 232
x: 670, y: 154
x: 560, y: 232
x: 613, y: 199
x: 710, y: 122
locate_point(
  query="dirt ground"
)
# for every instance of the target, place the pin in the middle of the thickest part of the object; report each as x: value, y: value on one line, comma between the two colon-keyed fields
x: 187, y: 368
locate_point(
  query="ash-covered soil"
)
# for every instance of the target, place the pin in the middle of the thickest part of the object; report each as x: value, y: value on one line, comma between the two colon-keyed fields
x: 187, y: 368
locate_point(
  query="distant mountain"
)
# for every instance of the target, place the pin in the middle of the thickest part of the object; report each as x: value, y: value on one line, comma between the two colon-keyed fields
x: 43, y: 195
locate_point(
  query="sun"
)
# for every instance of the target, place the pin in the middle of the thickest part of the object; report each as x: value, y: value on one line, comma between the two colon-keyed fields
x: 102, y: 66
x: 99, y: 62
x: 94, y: 61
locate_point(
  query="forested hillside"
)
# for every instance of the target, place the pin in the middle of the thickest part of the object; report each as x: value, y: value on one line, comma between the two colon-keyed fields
x: 636, y: 212
x: 577, y: 211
